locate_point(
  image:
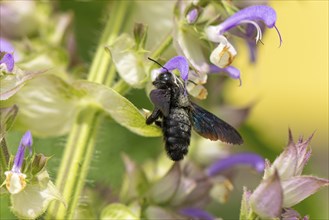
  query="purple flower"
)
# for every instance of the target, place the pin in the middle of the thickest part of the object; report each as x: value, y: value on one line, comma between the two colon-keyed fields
x: 179, y: 62
x: 8, y: 60
x: 195, y: 213
x: 222, y: 56
x: 249, y: 159
x: 267, y: 198
x: 15, y: 179
x: 250, y: 15
x: 283, y: 186
x: 6, y: 56
x: 26, y: 141
x: 230, y: 70
x: 5, y: 46
x: 192, y: 16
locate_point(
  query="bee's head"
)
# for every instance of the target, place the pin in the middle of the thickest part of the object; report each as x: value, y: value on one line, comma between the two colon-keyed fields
x: 164, y: 80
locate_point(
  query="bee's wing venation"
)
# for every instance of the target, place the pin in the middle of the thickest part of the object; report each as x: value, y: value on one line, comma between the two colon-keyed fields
x: 161, y: 100
x: 210, y: 126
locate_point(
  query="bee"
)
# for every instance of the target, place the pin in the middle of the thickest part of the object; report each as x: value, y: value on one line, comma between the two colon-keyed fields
x: 175, y: 114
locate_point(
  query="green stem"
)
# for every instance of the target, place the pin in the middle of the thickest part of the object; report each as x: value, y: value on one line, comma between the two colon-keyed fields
x: 76, y: 162
x: 81, y: 140
x: 163, y: 46
x: 102, y: 59
x: 121, y: 87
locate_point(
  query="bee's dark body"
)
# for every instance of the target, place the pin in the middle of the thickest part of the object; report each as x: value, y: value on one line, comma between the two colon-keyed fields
x: 177, y: 115
x: 176, y: 127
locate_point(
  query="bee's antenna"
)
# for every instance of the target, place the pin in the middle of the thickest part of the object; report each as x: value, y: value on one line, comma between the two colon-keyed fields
x: 158, y: 63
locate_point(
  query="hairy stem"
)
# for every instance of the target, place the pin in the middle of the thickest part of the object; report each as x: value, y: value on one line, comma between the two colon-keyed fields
x: 82, y: 138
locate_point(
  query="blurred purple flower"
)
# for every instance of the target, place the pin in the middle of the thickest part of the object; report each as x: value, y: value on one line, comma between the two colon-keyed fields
x: 8, y: 60
x: 192, y: 16
x: 6, y: 54
x: 196, y: 214
x: 5, y: 46
x: 249, y: 159
x: 230, y: 70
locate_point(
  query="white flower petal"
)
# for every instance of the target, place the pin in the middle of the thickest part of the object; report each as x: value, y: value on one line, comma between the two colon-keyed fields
x: 223, y: 55
x: 34, y: 200
x: 298, y: 188
x: 15, y: 182
x: 267, y: 198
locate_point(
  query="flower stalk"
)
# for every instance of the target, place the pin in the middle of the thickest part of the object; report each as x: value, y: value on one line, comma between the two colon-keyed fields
x: 82, y: 138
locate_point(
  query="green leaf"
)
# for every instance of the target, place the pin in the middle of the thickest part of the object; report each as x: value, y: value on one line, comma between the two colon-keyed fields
x: 129, y: 61
x: 118, y: 107
x: 134, y: 183
x: 117, y: 211
x: 12, y: 82
x: 48, y: 106
x: 7, y: 117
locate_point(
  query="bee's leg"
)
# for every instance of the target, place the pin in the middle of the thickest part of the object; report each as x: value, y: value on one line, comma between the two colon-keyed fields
x: 158, y: 123
x: 154, y: 116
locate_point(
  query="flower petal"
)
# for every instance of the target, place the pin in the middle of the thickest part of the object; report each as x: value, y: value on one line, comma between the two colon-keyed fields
x: 191, y: 47
x: 128, y: 61
x: 223, y: 55
x: 195, y: 213
x: 292, y: 160
x: 290, y: 214
x: 230, y: 70
x: 252, y: 13
x: 180, y: 63
x: 5, y: 46
x: 26, y: 141
x: 304, y: 154
x: 298, y: 188
x: 267, y: 198
x: 34, y: 200
x: 253, y: 160
x: 15, y: 182
x: 117, y: 211
x: 192, y: 16
x: 163, y: 190
x: 8, y: 60
x: 157, y: 212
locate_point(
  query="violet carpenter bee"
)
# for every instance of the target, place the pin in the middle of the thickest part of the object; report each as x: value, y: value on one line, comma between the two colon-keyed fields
x: 176, y: 114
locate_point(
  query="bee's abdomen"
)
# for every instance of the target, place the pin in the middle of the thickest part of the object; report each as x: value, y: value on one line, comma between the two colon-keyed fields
x: 177, y: 133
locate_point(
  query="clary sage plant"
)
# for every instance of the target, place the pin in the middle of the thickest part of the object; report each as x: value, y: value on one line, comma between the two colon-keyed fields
x: 47, y: 91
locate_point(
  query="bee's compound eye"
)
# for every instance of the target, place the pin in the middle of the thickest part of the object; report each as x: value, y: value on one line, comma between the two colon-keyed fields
x: 166, y: 76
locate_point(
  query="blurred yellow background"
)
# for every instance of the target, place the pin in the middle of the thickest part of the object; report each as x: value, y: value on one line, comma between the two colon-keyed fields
x: 290, y: 84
